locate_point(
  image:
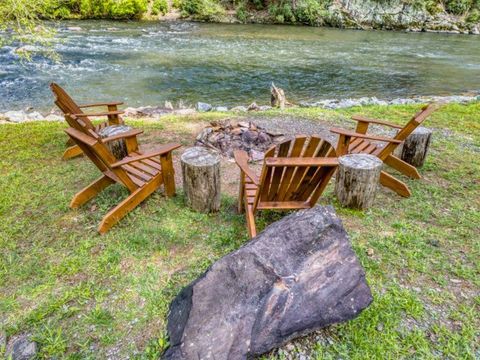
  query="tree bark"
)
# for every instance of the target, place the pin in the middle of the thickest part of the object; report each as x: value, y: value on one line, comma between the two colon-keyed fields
x: 357, y: 180
x: 201, y: 179
x: 415, y: 147
x: 117, y: 147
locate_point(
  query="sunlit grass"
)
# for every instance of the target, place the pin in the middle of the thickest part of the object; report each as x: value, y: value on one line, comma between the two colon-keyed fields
x: 82, y: 295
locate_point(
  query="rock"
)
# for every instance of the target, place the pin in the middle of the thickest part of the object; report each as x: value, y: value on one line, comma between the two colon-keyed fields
x: 221, y: 109
x: 203, y: 107
x: 239, y: 109
x: 184, y: 111
x: 53, y: 117
x: 249, y: 136
x: 300, y: 274
x: 264, y: 107
x: 253, y: 107
x: 3, y: 341
x: 35, y: 116
x: 16, y: 116
x: 21, y: 347
x: 256, y: 155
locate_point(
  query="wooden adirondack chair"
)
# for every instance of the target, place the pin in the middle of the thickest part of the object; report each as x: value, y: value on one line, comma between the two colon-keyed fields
x: 69, y: 106
x: 294, y: 175
x: 359, y: 142
x: 140, y: 173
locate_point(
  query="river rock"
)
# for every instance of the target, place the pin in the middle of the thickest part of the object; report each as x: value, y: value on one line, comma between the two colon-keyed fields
x: 16, y: 116
x: 21, y: 347
x: 54, y: 117
x: 35, y: 116
x: 221, y: 109
x: 203, y: 107
x: 299, y: 275
x: 239, y: 109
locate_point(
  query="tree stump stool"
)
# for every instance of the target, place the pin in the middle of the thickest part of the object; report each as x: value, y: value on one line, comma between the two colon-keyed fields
x: 201, y: 179
x: 117, y: 147
x: 415, y: 146
x: 357, y: 180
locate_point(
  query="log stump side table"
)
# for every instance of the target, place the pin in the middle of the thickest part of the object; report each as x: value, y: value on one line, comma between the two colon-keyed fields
x: 415, y: 146
x: 117, y: 147
x: 201, y: 179
x: 357, y: 180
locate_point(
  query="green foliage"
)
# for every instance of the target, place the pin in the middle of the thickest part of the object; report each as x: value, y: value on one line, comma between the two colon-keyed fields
x: 242, y: 13
x: 458, y: 7
x: 474, y: 16
x: 115, y: 9
x: 159, y: 7
x: 308, y: 12
x: 207, y: 10
x: 282, y: 12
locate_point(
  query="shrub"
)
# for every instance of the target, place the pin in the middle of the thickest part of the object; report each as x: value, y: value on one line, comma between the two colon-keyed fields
x: 242, y: 13
x: 127, y: 9
x: 282, y: 13
x: 474, y: 16
x: 458, y: 7
x: 208, y: 10
x: 159, y: 7
x: 308, y: 12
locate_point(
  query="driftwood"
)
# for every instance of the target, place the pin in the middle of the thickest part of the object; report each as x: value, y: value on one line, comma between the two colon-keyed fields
x: 278, y: 98
x: 357, y: 180
x: 415, y: 147
x: 201, y: 179
x: 117, y: 147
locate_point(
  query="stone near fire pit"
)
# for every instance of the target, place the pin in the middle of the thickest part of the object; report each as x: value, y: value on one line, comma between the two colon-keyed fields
x: 228, y: 135
x: 300, y: 274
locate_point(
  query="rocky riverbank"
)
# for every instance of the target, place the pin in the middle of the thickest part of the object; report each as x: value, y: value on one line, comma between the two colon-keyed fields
x: 450, y: 16
x: 28, y: 115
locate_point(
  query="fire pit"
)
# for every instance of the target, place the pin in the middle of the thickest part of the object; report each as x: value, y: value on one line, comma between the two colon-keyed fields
x: 228, y: 135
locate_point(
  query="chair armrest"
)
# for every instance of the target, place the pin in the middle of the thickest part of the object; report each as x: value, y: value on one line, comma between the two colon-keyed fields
x: 107, y: 113
x: 363, y: 136
x: 302, y: 162
x: 241, y: 158
x: 164, y: 149
x: 124, y: 135
x: 114, y: 103
x: 375, y: 121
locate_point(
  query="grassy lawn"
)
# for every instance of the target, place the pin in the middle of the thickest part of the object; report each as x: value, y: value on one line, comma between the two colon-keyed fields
x: 85, y: 296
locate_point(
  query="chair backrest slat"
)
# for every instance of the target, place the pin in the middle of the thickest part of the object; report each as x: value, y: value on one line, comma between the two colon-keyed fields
x: 100, y: 155
x: 286, y: 183
x: 67, y: 104
x: 414, y: 122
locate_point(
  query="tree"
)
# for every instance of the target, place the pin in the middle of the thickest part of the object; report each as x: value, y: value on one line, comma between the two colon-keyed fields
x: 21, y: 26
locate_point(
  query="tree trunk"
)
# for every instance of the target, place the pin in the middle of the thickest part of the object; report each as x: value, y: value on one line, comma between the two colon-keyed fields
x: 201, y: 179
x: 416, y: 146
x: 117, y: 147
x: 357, y: 180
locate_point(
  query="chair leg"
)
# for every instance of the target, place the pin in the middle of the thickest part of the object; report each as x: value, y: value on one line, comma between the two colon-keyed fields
x: 71, y: 152
x: 402, y: 166
x: 127, y: 205
x: 396, y: 185
x: 252, y: 229
x: 241, y: 193
x: 90, y: 191
x: 168, y: 174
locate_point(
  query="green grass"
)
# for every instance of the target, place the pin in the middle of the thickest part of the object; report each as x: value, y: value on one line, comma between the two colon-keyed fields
x: 82, y: 295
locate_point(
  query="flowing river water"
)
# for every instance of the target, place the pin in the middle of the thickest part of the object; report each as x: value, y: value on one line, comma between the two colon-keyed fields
x: 146, y: 63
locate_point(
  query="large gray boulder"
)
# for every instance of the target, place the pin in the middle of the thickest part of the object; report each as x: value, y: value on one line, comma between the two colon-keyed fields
x: 300, y: 274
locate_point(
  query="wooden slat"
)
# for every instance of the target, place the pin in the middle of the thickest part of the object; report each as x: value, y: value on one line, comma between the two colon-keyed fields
x: 283, y: 150
x: 360, y: 147
x: 311, y: 149
x: 266, y: 176
x: 145, y: 168
x: 297, y: 148
x: 285, y: 205
x: 137, y: 173
x: 301, y: 162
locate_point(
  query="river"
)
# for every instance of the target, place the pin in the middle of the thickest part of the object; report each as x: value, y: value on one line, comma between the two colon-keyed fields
x: 146, y: 63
